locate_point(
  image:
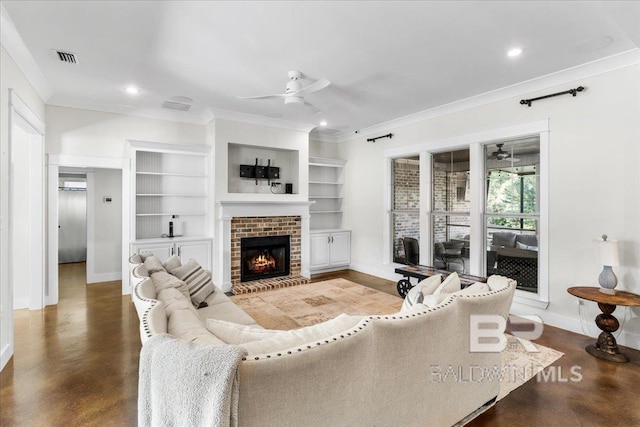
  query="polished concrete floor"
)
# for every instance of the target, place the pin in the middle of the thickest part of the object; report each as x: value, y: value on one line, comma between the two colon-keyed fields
x: 77, y: 363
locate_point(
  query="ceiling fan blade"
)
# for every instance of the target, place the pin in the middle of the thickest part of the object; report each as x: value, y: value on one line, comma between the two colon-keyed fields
x: 313, y: 87
x: 315, y: 109
x: 280, y: 95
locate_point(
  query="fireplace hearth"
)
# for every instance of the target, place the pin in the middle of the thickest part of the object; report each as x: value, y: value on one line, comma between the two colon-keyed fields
x: 264, y: 257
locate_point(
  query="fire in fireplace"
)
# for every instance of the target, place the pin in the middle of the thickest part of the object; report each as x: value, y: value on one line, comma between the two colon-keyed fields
x: 264, y: 257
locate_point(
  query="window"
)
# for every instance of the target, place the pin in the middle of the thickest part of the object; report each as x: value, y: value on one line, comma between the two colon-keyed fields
x: 451, y: 207
x: 405, y: 211
x: 512, y: 211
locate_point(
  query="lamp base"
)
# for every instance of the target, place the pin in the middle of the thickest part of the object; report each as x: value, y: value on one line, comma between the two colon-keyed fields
x: 607, y: 280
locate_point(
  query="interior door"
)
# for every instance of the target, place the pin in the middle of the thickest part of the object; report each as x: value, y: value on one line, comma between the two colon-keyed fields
x: 72, y: 226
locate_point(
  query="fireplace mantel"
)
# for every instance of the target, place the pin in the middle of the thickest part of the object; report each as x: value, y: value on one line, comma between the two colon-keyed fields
x: 228, y: 210
x: 232, y: 209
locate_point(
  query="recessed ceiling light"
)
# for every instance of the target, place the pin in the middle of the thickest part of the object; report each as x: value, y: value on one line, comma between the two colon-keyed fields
x: 323, y: 123
x: 132, y: 90
x: 516, y: 51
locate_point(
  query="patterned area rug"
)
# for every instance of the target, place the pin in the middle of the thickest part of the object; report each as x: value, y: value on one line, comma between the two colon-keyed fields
x: 313, y: 303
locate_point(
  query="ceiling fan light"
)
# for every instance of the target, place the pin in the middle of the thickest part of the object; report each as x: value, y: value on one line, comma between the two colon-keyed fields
x: 293, y: 100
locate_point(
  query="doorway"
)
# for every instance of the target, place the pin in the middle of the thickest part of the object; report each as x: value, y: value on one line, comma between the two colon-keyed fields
x: 72, y: 216
x: 26, y: 214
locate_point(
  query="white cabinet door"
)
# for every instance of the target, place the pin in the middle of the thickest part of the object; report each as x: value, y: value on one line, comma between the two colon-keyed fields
x: 340, y: 248
x: 161, y: 250
x: 320, y: 255
x: 200, y: 251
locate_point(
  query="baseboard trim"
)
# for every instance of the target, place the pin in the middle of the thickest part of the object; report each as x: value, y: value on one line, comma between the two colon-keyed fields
x: 20, y: 303
x: 627, y: 339
x: 5, y: 356
x: 384, y: 273
x: 104, y: 277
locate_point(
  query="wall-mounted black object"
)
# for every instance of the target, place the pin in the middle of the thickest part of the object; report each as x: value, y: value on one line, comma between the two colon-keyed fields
x: 573, y: 92
x: 260, y: 172
x: 288, y: 188
x: 389, y: 135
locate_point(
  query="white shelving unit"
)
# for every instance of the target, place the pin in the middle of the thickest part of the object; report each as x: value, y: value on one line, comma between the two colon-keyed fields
x: 172, y: 183
x: 330, y: 242
x: 326, y: 182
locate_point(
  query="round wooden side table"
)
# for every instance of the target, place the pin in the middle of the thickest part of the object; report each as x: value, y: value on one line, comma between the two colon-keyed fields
x: 606, y: 347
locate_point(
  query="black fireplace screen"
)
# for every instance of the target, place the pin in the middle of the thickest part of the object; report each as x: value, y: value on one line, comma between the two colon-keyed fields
x: 264, y: 257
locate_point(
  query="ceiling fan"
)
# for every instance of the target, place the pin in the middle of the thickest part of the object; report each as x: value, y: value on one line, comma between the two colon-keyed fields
x: 500, y: 154
x: 294, y: 92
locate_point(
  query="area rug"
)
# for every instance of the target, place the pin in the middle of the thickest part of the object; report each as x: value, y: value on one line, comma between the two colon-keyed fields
x: 306, y: 305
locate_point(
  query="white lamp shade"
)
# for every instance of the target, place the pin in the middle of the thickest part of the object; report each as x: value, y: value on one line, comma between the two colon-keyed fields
x: 607, y: 252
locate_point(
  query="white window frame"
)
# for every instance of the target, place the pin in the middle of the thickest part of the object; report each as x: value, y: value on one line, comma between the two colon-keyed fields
x: 476, y: 142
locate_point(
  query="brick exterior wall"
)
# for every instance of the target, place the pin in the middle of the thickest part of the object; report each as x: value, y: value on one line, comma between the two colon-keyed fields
x: 406, y: 196
x: 261, y: 226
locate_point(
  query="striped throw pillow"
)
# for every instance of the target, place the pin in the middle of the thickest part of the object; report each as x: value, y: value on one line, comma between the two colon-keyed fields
x: 197, y: 280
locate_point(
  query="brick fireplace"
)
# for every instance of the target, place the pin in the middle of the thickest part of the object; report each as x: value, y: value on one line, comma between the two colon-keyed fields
x: 245, y: 219
x: 276, y: 226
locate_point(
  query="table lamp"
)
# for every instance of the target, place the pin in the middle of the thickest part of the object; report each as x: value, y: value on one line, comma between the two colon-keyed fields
x: 607, y: 256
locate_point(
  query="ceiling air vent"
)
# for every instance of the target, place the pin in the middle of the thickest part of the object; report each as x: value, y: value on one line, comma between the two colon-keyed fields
x: 176, y: 106
x: 68, y: 57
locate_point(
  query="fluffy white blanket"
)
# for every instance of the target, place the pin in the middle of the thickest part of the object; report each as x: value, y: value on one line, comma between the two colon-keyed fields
x: 181, y: 383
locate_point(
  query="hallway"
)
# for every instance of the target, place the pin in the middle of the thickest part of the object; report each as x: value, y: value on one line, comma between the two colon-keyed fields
x: 64, y: 370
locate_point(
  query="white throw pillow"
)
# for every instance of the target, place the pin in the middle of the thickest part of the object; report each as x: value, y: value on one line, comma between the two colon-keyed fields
x: 297, y: 337
x: 450, y: 285
x: 527, y: 247
x: 474, y: 289
x: 172, y: 263
x: 430, y: 284
x: 235, y: 333
x: 197, y: 280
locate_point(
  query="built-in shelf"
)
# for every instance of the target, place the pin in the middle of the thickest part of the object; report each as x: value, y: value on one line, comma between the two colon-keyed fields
x: 171, y: 185
x: 326, y: 183
x: 171, y: 195
x: 173, y: 214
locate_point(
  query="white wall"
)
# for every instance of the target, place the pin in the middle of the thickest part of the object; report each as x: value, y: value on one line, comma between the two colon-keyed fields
x: 323, y: 149
x: 594, y: 153
x: 229, y: 131
x: 10, y: 78
x: 104, y: 226
x: 94, y: 133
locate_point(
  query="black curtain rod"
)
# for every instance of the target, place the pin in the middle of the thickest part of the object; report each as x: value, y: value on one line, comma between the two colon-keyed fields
x: 571, y: 91
x: 389, y: 135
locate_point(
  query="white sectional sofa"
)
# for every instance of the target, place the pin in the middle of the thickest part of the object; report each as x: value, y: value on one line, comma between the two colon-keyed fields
x: 414, y: 368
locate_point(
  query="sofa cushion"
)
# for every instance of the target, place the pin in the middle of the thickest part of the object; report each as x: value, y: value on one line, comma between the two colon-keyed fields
x: 297, y: 337
x: 197, y: 279
x: 527, y: 239
x: 174, y: 300
x: 227, y: 311
x: 172, y: 263
x: 184, y: 324
x: 162, y: 280
x: 527, y: 247
x: 504, y: 238
x: 235, y: 333
x: 153, y: 264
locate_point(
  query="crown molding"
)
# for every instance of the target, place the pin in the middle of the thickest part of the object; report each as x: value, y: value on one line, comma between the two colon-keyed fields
x: 260, y: 120
x: 604, y: 65
x: 156, y: 114
x: 17, y: 50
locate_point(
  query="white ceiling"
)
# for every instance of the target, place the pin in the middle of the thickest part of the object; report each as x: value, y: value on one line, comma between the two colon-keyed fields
x: 385, y: 60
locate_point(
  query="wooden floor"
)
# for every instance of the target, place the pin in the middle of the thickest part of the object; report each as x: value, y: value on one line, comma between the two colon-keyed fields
x: 77, y: 364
